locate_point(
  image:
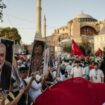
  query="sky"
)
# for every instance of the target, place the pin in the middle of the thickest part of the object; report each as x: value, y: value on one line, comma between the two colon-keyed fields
x: 21, y: 14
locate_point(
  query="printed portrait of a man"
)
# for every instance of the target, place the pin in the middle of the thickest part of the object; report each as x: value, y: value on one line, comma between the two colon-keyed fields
x: 6, y: 55
x: 37, y: 56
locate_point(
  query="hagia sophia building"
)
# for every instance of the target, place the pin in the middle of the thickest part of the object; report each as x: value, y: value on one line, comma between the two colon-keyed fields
x: 82, y: 25
x: 79, y: 27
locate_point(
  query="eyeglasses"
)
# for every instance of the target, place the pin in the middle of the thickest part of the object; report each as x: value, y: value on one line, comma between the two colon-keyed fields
x: 2, y: 55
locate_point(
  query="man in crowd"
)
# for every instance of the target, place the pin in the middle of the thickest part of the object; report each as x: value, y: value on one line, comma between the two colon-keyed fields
x: 23, y: 73
x: 77, y: 70
x: 96, y: 74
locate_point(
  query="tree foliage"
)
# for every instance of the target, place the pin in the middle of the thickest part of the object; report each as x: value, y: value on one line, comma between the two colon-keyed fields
x: 11, y: 33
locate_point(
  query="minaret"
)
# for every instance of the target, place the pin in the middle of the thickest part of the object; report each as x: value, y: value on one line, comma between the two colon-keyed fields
x: 44, y: 27
x: 38, y: 19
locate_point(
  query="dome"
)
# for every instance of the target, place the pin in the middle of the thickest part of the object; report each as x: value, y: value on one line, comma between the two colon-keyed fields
x: 85, y: 17
x: 102, y: 30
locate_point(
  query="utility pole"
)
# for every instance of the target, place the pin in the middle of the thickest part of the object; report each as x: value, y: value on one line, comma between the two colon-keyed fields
x: 2, y: 6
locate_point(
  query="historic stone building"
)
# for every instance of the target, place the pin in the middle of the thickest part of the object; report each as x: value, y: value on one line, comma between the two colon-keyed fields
x: 99, y: 40
x: 78, y: 27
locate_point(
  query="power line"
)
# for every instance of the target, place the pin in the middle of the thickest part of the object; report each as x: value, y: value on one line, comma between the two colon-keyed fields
x: 20, y: 18
x: 8, y: 18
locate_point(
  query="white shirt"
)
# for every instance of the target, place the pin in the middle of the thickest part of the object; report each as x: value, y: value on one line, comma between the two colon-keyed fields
x: 76, y: 72
x: 68, y: 69
x: 54, y: 74
x: 96, y: 75
x: 35, y: 89
x: 61, y: 77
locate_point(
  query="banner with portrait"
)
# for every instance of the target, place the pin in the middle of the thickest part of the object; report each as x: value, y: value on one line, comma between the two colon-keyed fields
x: 6, y: 57
x: 37, y: 60
x: 46, y: 61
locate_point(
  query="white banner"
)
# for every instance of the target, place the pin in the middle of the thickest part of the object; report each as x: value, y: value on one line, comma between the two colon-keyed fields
x: 46, y: 60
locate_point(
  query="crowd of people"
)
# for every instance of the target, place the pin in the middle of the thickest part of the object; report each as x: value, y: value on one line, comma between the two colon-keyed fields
x: 17, y: 87
x: 89, y: 70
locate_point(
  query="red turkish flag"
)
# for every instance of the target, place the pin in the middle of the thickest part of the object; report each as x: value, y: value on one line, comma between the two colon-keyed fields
x: 76, y: 91
x: 76, y: 50
x: 99, y: 52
